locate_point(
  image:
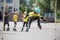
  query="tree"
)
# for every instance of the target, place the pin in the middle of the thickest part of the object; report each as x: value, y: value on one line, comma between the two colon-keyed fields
x: 44, y: 5
x: 58, y: 4
x: 22, y: 5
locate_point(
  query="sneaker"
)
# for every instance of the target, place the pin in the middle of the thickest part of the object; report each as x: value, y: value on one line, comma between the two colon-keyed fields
x: 40, y: 28
x: 27, y: 29
x: 8, y: 29
x: 3, y: 29
x: 22, y: 30
x: 14, y: 29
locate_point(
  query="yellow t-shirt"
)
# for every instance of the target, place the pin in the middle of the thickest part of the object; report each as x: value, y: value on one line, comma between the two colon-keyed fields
x: 31, y: 14
x: 26, y: 19
x: 38, y: 15
x: 15, y: 18
x: 34, y: 15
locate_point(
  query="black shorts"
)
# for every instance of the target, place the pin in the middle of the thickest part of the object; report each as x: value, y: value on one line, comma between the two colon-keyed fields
x: 6, y: 23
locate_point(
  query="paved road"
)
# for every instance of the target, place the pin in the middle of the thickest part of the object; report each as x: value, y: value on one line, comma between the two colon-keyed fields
x: 47, y: 33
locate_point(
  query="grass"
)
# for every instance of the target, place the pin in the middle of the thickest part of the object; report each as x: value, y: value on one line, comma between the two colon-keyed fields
x: 58, y: 20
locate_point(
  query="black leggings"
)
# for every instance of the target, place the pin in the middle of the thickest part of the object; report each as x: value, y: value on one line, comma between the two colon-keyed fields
x: 6, y: 23
x: 36, y: 18
x: 25, y: 23
x: 15, y: 23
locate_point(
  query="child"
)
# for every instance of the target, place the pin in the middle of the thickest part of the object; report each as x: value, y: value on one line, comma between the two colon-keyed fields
x: 15, y: 18
x: 6, y: 21
x: 25, y: 22
x: 33, y: 16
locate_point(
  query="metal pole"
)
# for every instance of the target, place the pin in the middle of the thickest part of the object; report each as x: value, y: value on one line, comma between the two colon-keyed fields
x: 4, y: 4
x: 4, y: 11
x: 55, y: 16
x: 55, y: 10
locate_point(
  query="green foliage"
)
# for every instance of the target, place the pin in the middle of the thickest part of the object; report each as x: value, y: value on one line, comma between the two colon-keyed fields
x: 58, y: 11
x: 58, y: 4
x: 58, y: 14
x: 44, y: 4
x: 29, y: 10
x: 22, y: 9
x: 22, y: 2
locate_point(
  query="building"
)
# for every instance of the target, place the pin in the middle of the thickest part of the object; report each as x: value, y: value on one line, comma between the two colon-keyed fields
x: 12, y: 5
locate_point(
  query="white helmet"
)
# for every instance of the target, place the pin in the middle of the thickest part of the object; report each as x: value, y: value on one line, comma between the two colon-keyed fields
x: 25, y: 12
